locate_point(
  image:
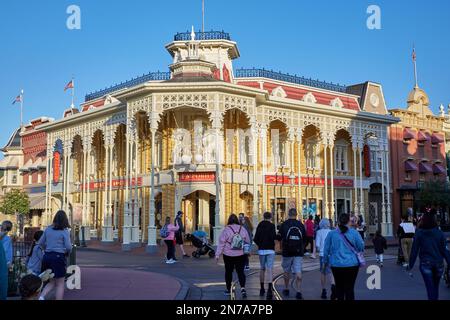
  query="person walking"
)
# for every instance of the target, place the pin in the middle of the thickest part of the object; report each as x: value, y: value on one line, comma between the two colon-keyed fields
x: 291, y: 234
x: 57, y: 245
x: 325, y: 270
x: 430, y: 246
x: 379, y: 245
x: 340, y: 252
x: 405, y: 233
x: 180, y: 233
x: 168, y: 235
x: 248, y: 226
x: 6, y: 228
x: 3, y: 271
x: 35, y: 256
x: 265, y: 237
x: 361, y: 226
x: 309, y: 238
x: 231, y: 246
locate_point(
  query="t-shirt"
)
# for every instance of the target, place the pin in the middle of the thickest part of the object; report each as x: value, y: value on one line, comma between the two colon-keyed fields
x: 320, y: 239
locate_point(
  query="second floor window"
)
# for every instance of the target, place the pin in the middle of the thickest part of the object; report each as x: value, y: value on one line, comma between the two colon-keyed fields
x: 312, y: 155
x: 376, y: 160
x: 340, y: 157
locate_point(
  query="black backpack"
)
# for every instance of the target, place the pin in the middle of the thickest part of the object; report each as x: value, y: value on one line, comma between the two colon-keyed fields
x: 293, y: 243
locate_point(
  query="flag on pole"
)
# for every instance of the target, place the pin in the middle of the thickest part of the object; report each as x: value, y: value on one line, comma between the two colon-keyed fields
x: 414, y: 56
x: 18, y: 99
x: 69, y: 86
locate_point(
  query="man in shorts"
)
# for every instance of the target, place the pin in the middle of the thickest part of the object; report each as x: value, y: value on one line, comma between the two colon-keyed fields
x: 265, y: 237
x: 291, y: 234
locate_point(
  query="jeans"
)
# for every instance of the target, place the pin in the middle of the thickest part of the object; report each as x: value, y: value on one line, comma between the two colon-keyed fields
x: 170, y: 249
x: 232, y: 263
x: 345, y: 279
x: 432, y: 275
x: 309, y: 241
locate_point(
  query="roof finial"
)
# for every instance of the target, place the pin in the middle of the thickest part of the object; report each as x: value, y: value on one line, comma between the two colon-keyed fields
x: 442, y: 110
x: 192, y: 34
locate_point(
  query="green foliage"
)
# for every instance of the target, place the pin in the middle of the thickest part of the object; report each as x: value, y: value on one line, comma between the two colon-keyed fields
x: 15, y: 201
x: 434, y: 193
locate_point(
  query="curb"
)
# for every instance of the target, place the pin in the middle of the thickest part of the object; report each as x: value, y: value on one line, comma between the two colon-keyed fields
x: 184, y: 291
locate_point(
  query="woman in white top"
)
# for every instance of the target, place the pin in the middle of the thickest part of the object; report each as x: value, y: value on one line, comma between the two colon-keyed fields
x: 325, y: 270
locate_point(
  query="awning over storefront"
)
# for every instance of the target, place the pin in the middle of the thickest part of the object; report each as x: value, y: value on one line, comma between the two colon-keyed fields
x: 423, y: 136
x: 410, y: 166
x: 27, y: 166
x: 409, y: 134
x: 437, y: 138
x: 37, y: 202
x: 439, y: 169
x: 425, y: 167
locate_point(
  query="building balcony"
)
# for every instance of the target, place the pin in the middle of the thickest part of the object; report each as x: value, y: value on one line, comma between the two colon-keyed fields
x: 207, y: 35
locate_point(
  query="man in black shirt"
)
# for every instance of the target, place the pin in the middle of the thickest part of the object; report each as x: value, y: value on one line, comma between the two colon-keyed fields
x: 291, y: 234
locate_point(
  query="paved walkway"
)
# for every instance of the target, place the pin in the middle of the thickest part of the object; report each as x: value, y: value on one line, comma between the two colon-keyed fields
x: 124, y: 284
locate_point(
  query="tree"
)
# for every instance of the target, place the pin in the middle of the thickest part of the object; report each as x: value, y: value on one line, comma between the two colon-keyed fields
x: 15, y: 201
x: 434, y: 193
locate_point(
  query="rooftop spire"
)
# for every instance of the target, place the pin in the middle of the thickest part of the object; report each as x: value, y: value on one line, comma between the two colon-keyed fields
x: 414, y: 57
x: 192, y: 34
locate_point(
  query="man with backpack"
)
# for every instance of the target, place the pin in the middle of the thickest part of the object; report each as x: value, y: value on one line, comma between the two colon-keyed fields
x: 291, y: 234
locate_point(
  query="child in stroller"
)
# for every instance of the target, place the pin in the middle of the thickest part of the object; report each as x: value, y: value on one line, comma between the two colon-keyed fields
x: 200, y: 241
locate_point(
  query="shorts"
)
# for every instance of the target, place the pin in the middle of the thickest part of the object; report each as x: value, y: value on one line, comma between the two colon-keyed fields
x: 266, y: 261
x: 292, y: 264
x: 178, y: 238
x: 56, y: 262
x: 324, y: 269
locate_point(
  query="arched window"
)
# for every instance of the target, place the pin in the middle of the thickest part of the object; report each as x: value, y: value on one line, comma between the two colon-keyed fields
x: 279, y: 153
x: 341, y: 156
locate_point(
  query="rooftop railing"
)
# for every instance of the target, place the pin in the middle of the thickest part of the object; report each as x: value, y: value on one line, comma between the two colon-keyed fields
x: 270, y: 74
x: 152, y: 76
x: 207, y: 35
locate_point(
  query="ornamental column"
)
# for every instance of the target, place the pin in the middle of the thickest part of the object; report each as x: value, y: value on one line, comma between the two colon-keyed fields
x: 151, y: 244
x: 299, y: 164
x: 87, y: 150
x: 256, y: 215
x: 217, y: 119
x: 380, y: 152
x: 325, y: 159
x: 107, y: 231
x: 390, y: 231
x: 361, y: 207
x: 333, y: 205
x: 48, y: 181
x: 263, y: 135
x: 126, y: 237
x: 133, y: 178
x: 355, y: 177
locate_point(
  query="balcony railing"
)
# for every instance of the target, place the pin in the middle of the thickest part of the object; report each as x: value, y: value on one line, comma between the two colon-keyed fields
x: 263, y: 73
x: 152, y: 76
x: 207, y: 35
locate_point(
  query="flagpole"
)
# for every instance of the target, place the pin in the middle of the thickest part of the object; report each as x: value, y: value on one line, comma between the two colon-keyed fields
x: 415, y: 66
x: 203, y: 16
x: 21, y: 110
x: 73, y: 94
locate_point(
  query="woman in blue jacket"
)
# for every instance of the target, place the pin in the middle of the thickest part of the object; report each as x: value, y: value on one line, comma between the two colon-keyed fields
x: 339, y: 253
x: 3, y: 272
x: 430, y: 245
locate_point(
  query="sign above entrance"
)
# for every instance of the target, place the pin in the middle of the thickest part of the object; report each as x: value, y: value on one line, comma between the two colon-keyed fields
x: 197, y: 177
x: 286, y: 180
x: 116, y: 184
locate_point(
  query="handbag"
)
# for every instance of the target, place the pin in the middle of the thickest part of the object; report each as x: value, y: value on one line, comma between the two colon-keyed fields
x: 359, y: 255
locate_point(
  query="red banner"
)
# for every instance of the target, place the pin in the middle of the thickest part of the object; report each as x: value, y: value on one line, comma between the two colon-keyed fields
x: 198, y: 177
x: 56, y: 166
x: 285, y: 180
x: 116, y: 184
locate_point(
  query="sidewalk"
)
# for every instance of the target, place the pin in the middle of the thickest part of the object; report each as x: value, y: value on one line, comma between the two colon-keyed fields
x: 125, y: 284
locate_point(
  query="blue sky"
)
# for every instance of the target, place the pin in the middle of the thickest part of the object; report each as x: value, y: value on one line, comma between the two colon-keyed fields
x: 119, y: 40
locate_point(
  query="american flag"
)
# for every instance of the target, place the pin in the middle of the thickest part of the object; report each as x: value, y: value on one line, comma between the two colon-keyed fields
x: 69, y: 86
x: 414, y: 56
x: 18, y: 99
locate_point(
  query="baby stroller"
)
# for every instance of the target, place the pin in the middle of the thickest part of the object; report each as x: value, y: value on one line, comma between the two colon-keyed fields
x: 200, y: 241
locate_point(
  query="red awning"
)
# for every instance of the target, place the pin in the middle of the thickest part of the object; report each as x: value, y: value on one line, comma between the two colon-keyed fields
x: 437, y: 138
x: 423, y: 136
x: 410, y: 166
x: 409, y: 134
x: 438, y: 169
x: 425, y: 167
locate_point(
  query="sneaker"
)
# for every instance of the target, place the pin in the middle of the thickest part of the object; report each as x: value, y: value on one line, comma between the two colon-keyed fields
x: 247, y: 268
x: 381, y: 264
x: 227, y: 293
x: 299, y: 296
x: 307, y: 254
x: 313, y: 256
x: 405, y: 265
x: 171, y: 261
x: 269, y: 295
x: 262, y: 292
x: 286, y: 292
x: 324, y: 294
x: 244, y: 293
x: 333, y: 292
